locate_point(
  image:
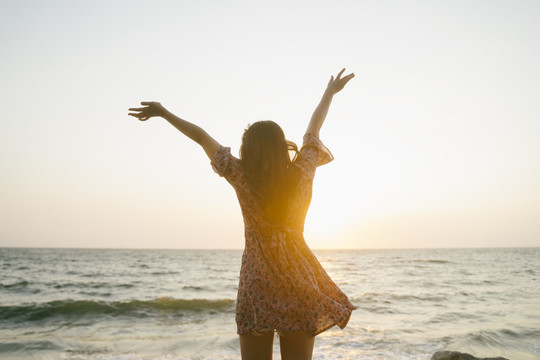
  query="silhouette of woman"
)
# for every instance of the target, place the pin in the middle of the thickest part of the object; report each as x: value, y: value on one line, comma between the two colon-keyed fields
x: 282, y: 285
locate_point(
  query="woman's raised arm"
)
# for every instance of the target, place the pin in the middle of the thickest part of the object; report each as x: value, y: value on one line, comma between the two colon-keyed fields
x: 319, y: 115
x: 192, y: 131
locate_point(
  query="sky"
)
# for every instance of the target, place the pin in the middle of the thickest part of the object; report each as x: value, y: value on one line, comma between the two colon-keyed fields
x: 436, y: 140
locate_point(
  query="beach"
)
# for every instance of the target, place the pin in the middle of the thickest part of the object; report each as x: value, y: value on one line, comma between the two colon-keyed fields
x: 179, y: 304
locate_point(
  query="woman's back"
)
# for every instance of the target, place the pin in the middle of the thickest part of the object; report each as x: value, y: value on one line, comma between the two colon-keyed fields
x: 312, y: 154
x: 282, y: 285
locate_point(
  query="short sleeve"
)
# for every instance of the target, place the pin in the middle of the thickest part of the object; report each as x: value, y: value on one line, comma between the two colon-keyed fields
x: 222, y: 160
x: 227, y: 166
x: 312, y: 154
x: 324, y: 156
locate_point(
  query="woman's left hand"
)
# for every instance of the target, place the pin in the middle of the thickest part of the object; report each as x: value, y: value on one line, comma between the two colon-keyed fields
x: 150, y: 109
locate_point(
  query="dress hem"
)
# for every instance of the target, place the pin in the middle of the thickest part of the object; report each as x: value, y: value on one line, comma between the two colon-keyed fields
x: 342, y: 324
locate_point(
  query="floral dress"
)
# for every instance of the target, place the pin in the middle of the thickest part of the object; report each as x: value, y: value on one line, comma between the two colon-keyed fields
x: 283, y: 287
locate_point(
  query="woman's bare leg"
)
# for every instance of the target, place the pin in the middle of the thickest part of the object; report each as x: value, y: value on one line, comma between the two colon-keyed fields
x: 296, y: 346
x: 254, y: 347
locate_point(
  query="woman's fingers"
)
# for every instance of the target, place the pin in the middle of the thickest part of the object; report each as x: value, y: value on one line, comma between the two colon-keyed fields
x: 150, y: 103
x: 138, y: 116
x: 140, y: 113
x: 146, y: 112
x: 339, y: 82
x: 331, y: 80
x: 348, y: 77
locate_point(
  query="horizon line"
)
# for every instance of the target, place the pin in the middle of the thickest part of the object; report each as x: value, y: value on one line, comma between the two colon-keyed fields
x: 237, y: 249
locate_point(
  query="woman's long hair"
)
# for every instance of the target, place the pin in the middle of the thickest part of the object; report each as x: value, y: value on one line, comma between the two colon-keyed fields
x: 268, y: 167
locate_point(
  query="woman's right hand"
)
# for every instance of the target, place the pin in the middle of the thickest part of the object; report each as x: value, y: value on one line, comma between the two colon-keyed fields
x: 149, y: 109
x: 334, y: 86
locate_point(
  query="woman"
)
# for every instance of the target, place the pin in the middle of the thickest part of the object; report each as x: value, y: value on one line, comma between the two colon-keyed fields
x: 282, y: 286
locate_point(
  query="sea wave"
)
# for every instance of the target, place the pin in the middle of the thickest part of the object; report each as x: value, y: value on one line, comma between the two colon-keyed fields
x: 431, y: 261
x: 92, y: 308
x: 387, y: 298
x: 32, y: 345
x: 14, y: 286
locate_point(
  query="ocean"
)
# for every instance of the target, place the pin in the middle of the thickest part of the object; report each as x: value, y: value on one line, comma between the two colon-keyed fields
x: 179, y: 304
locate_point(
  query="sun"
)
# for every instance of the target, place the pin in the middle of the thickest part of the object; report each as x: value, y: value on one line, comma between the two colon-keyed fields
x: 330, y: 215
x: 323, y: 219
